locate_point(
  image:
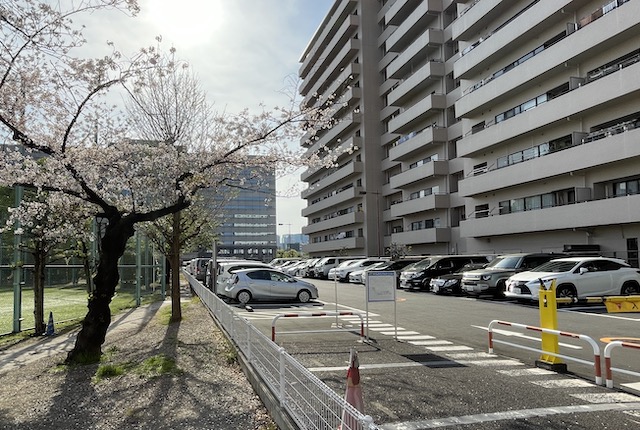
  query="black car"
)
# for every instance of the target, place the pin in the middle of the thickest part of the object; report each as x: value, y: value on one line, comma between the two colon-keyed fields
x: 452, y: 283
x: 419, y: 275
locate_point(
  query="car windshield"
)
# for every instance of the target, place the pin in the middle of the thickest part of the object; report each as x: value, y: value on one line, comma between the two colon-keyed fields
x: 379, y: 265
x: 555, y: 266
x: 504, y: 263
x: 421, y: 264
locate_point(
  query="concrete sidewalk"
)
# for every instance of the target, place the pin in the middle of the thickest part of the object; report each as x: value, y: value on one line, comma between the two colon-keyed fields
x: 34, y: 349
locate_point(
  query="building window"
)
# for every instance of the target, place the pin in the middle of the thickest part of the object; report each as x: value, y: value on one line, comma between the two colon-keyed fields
x: 482, y: 211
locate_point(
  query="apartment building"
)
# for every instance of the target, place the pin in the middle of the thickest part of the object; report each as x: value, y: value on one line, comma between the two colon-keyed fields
x: 501, y: 126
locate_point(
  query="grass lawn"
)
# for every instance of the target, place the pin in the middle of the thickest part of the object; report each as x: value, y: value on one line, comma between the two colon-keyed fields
x: 68, y: 304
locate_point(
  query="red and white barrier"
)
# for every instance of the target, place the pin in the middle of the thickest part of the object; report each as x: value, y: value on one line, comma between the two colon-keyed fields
x: 594, y: 345
x: 607, y: 359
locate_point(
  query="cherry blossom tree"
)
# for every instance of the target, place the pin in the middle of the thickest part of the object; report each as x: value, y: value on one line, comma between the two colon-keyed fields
x: 55, y: 104
x: 46, y: 222
x: 196, y: 229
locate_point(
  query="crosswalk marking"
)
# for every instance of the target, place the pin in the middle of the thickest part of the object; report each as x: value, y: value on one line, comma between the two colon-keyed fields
x: 563, y: 383
x: 449, y: 348
x: 494, y: 362
x: 531, y: 371
x: 400, y: 331
x: 430, y: 342
x: 469, y: 355
x: 417, y: 337
x: 606, y: 397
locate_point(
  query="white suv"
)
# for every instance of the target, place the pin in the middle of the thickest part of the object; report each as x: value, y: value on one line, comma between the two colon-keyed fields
x: 577, y: 277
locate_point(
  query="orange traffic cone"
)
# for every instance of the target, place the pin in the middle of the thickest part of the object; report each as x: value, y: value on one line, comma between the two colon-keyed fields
x: 353, y: 393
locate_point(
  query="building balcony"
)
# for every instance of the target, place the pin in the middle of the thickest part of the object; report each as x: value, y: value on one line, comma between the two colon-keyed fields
x: 332, y: 202
x: 416, y: 237
x: 608, y: 90
x: 416, y: 142
x: 619, y: 210
x: 420, y: 173
x: 334, y: 224
x: 411, y: 118
x: 415, y: 206
x: 342, y: 149
x: 333, y: 247
x: 411, y: 27
x: 475, y: 18
x: 399, y: 11
x: 419, y: 81
x: 524, y: 27
x: 344, y: 172
x: 612, y: 149
x: 328, y: 138
x: 349, y: 23
x: 605, y: 31
x: 425, y: 46
x: 317, y: 82
x: 346, y: 77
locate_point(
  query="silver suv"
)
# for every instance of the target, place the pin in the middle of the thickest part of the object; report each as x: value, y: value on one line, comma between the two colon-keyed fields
x: 492, y: 279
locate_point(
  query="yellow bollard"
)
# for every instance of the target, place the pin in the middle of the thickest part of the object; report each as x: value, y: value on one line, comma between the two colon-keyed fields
x: 549, y: 320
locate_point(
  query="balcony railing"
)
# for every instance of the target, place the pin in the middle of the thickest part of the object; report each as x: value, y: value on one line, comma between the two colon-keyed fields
x: 600, y: 12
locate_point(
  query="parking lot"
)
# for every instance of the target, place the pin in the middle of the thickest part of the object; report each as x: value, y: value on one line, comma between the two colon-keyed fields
x: 426, y: 363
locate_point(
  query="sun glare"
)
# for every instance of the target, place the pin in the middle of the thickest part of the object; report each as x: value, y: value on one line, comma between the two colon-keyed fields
x: 185, y: 23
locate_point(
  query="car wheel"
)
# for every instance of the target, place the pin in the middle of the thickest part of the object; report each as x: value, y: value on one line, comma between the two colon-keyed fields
x: 244, y: 297
x: 501, y: 286
x: 566, y: 291
x: 630, y: 288
x: 304, y: 296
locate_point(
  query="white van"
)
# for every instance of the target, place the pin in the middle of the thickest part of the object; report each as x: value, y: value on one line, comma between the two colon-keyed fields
x: 322, y: 267
x: 226, y: 269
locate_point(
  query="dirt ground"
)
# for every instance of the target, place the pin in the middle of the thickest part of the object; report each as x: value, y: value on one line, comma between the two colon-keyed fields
x: 153, y: 375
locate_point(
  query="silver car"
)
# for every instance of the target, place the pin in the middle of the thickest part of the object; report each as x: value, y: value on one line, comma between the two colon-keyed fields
x: 268, y: 284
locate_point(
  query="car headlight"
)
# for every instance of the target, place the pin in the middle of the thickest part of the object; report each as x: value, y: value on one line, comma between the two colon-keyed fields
x: 485, y: 277
x: 450, y: 282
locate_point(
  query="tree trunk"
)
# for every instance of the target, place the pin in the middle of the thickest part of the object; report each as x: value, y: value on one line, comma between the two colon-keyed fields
x: 88, y: 346
x: 176, y: 310
x: 87, y: 267
x: 38, y: 291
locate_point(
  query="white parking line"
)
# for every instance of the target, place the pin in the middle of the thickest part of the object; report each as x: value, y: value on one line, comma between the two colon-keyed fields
x: 508, y: 415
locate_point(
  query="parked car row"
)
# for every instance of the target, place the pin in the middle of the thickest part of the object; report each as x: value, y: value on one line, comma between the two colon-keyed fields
x: 245, y: 281
x: 514, y: 276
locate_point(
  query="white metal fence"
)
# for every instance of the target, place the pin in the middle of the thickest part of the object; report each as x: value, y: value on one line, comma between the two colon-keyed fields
x: 308, y: 401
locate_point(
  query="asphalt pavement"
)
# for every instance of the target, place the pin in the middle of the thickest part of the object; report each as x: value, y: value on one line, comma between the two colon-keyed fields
x: 420, y: 381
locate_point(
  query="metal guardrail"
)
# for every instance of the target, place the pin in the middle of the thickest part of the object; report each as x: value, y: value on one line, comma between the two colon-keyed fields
x: 310, y: 403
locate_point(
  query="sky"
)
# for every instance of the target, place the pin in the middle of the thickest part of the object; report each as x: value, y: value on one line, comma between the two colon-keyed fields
x: 243, y: 52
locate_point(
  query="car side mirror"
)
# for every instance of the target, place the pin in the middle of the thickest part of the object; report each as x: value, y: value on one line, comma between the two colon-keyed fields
x: 583, y: 270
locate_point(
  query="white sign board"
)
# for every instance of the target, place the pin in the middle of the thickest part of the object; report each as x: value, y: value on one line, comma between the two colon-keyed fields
x: 381, y: 286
